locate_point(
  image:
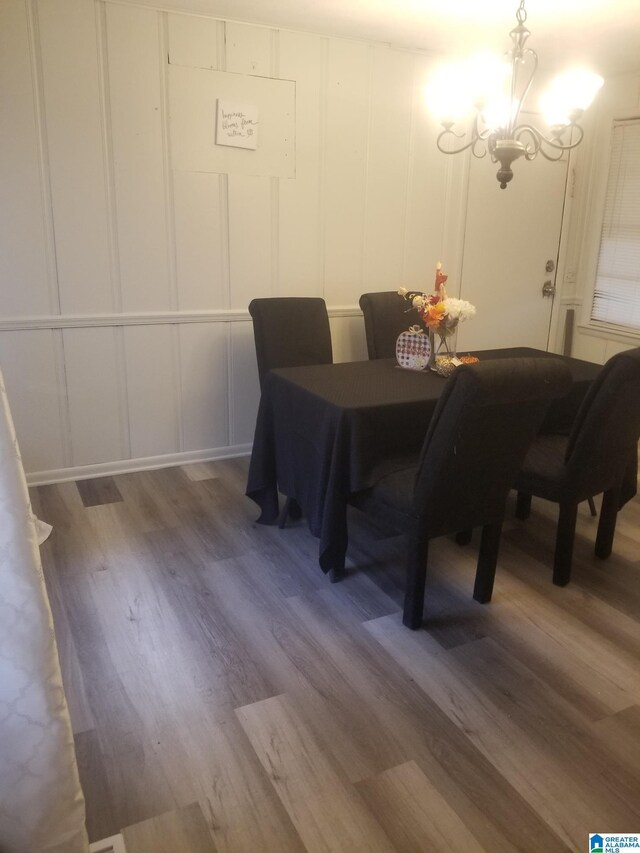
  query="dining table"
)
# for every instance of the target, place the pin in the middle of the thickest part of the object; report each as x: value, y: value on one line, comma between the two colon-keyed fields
x: 324, y: 432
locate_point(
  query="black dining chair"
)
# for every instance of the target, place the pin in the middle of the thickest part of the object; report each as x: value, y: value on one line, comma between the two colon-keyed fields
x: 290, y: 331
x: 594, y: 458
x: 483, y: 423
x: 386, y: 315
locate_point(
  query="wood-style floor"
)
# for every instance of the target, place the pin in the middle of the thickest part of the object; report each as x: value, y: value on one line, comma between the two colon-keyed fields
x: 226, y: 697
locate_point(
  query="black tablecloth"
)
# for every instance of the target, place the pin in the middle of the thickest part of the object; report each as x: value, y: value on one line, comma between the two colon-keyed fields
x: 326, y: 431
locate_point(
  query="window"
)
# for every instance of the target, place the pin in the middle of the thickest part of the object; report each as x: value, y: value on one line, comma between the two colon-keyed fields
x: 616, y: 298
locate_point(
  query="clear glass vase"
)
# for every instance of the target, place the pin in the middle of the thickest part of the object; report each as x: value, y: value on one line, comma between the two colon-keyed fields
x: 443, y: 350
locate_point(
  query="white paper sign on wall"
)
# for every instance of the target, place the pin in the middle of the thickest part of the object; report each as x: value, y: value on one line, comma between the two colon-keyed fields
x: 237, y: 125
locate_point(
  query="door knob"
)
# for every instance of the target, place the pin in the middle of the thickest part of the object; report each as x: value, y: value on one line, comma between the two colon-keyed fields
x: 548, y: 288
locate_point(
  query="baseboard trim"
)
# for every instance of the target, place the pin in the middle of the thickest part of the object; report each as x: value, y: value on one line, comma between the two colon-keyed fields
x: 128, y: 466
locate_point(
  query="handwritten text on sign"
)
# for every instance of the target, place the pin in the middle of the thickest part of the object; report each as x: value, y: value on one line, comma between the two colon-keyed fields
x: 237, y: 125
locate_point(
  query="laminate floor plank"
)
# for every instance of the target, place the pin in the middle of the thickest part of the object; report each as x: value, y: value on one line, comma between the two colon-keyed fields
x: 100, y: 490
x: 99, y: 807
x: 145, y: 502
x: 72, y: 545
x: 82, y: 718
x: 200, y: 470
x: 170, y: 701
x: 216, y: 646
x: 413, y: 813
x: 326, y: 810
x: 241, y: 807
x: 539, y: 626
x: 292, y: 659
x: 221, y: 689
x: 182, y: 829
x: 590, y: 626
x: 552, y: 727
x: 620, y: 735
x: 408, y: 721
x: 542, y: 782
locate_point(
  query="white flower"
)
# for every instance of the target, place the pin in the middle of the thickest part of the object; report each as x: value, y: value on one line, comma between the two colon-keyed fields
x: 459, y: 309
x: 419, y: 301
x: 403, y: 291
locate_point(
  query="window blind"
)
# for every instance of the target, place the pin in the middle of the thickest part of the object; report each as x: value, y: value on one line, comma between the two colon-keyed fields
x: 616, y: 298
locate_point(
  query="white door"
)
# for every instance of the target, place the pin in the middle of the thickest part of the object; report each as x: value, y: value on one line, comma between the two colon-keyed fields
x: 510, y: 237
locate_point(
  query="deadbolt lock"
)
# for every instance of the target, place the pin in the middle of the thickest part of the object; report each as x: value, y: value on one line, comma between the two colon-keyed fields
x: 549, y: 266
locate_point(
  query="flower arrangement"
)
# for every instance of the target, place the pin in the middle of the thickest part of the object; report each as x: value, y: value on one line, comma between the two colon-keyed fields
x: 441, y: 315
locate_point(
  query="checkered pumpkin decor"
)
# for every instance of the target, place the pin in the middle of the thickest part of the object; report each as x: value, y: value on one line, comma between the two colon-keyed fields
x: 413, y: 349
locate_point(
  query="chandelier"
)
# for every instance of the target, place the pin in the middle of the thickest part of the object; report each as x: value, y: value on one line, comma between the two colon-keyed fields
x: 494, y: 89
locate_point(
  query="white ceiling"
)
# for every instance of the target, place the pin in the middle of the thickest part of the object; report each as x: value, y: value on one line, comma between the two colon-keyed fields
x: 604, y: 34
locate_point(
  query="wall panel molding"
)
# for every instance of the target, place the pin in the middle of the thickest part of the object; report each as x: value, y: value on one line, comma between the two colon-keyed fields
x: 107, y: 148
x: 43, y: 154
x: 136, y: 339
x: 150, y: 318
x: 167, y: 162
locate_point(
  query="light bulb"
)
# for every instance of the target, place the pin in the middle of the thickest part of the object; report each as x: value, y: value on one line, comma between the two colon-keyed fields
x: 497, y: 111
x: 572, y: 91
x: 487, y: 75
x: 448, y: 95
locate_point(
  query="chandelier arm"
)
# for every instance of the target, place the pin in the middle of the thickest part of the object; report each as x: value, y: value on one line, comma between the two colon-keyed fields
x: 541, y: 139
x: 478, y: 154
x: 448, y: 132
x: 553, y: 159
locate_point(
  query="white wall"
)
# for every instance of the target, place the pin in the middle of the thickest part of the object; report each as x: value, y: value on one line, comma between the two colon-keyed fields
x: 619, y: 98
x: 128, y: 256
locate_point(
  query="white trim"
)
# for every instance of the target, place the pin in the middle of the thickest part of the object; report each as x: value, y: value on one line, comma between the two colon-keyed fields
x: 611, y: 333
x: 569, y: 301
x: 605, y: 119
x: 149, y: 318
x: 128, y: 466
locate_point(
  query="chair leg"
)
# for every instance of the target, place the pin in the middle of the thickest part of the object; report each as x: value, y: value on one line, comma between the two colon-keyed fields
x: 295, y: 510
x: 463, y: 537
x: 487, y: 561
x: 523, y: 506
x: 292, y: 510
x: 607, y: 523
x: 334, y: 558
x: 416, y: 579
x: 564, y: 543
x: 592, y: 507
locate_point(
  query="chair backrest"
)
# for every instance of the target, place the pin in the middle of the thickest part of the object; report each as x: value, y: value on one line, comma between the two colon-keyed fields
x: 485, y: 420
x: 290, y: 331
x: 386, y: 315
x: 605, y: 433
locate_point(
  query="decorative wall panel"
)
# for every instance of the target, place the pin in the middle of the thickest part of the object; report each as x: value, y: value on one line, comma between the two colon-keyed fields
x: 137, y: 243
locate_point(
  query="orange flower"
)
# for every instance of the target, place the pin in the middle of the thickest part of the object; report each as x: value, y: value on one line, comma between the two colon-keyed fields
x: 434, y: 314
